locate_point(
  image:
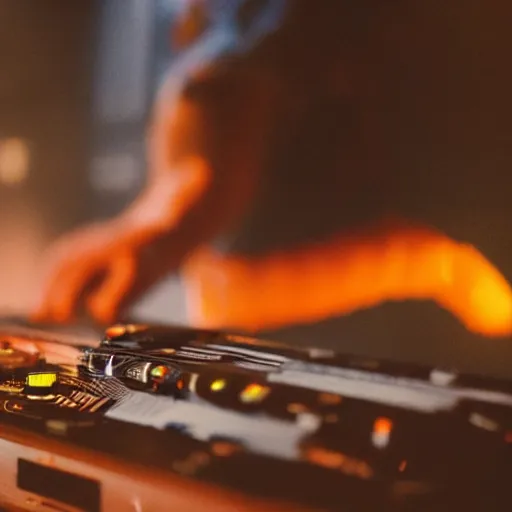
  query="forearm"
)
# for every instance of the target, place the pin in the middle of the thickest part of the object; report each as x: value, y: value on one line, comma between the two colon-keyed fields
x: 350, y: 273
x: 165, y: 202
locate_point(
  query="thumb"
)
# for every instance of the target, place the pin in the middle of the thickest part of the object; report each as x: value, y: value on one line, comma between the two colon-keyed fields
x: 105, y: 302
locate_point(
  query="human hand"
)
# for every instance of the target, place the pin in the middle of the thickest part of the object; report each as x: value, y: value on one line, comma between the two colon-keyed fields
x: 96, y: 268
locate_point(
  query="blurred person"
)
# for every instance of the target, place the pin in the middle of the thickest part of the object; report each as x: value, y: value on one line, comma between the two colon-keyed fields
x: 299, y: 156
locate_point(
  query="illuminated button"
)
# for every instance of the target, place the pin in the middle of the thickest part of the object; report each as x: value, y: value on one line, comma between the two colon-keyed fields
x: 254, y: 393
x: 382, y: 426
x: 159, y: 372
x: 115, y: 331
x: 218, y: 385
x: 41, y: 380
x: 381, y: 432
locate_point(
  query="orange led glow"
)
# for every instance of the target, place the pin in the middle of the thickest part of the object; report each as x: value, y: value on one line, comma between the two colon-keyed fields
x: 337, y: 460
x: 382, y: 426
x: 224, y: 448
x: 133, y: 328
x: 326, y: 458
x: 180, y: 384
x: 402, y: 466
x: 254, y: 393
x: 115, y: 331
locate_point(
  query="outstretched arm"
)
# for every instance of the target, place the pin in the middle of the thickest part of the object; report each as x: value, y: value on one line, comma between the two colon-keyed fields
x: 384, y: 262
x: 193, y: 193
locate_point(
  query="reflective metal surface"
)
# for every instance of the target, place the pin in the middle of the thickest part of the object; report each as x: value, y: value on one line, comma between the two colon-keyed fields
x: 302, y: 426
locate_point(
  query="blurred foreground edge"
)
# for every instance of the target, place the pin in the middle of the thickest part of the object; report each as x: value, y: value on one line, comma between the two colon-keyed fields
x: 171, y: 418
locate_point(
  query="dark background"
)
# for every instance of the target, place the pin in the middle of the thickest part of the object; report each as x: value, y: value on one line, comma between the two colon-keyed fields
x: 76, y: 83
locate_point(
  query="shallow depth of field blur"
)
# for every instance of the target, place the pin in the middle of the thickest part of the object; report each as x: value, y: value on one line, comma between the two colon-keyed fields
x: 77, y: 79
x: 76, y: 84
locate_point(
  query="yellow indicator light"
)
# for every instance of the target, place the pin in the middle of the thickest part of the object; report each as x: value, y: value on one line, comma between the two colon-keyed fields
x: 41, y: 380
x: 218, y: 385
x: 254, y: 393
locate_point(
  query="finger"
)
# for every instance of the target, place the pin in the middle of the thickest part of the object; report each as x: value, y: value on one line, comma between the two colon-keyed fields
x: 64, y: 295
x: 57, y: 265
x: 104, y: 303
x: 43, y: 305
x: 62, y: 290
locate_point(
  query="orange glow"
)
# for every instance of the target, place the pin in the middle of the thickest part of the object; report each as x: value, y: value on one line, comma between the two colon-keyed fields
x: 508, y: 437
x: 382, y: 426
x: 224, y: 448
x: 133, y: 328
x: 389, y: 262
x: 180, y: 384
x: 159, y: 372
x: 337, y: 460
x: 329, y: 399
x: 115, y: 331
x: 381, y: 432
x: 254, y: 393
x: 402, y: 466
